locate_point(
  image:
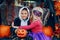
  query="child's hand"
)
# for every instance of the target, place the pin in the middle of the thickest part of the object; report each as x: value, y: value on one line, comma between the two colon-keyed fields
x: 16, y: 30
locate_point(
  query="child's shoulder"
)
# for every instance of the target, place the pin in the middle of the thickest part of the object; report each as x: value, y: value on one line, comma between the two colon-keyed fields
x: 17, y: 19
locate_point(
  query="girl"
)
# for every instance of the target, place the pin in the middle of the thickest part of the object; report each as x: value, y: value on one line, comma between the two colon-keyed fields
x: 36, y: 25
x: 22, y: 20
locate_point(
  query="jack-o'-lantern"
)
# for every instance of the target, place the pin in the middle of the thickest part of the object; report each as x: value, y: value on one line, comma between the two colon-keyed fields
x: 4, y: 31
x: 21, y: 33
x: 47, y: 31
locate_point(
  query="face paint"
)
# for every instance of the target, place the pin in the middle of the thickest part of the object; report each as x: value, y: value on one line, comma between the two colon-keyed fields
x: 37, y: 13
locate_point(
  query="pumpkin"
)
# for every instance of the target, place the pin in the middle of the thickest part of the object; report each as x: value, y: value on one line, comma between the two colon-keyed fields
x: 4, y: 31
x: 21, y: 33
x: 47, y: 30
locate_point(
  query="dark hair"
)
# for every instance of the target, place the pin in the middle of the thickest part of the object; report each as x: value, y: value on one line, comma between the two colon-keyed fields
x: 25, y: 9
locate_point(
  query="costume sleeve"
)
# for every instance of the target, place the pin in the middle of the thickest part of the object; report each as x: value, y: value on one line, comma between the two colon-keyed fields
x: 17, y: 22
x: 32, y: 25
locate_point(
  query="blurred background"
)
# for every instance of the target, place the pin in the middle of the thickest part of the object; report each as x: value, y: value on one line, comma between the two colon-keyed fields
x: 9, y: 10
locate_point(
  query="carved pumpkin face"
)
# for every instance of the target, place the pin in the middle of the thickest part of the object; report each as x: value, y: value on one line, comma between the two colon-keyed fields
x: 21, y: 33
x: 4, y: 31
x: 47, y: 31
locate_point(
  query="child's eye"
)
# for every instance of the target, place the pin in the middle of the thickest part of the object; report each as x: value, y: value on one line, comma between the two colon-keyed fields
x: 21, y: 13
x: 25, y: 13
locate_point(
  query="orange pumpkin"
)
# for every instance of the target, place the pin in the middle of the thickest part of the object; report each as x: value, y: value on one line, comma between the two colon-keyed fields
x: 47, y: 31
x: 21, y: 33
x: 4, y: 31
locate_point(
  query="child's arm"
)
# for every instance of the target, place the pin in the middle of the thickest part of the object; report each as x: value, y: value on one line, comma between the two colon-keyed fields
x: 32, y: 25
x: 13, y: 25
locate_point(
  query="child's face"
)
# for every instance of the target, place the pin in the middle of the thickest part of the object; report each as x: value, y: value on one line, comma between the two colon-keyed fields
x: 24, y: 14
x: 35, y: 17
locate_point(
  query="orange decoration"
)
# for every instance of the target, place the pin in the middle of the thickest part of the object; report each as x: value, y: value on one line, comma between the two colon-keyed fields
x: 57, y: 8
x: 57, y: 12
x: 56, y: 26
x: 4, y: 31
x: 57, y: 5
x: 47, y: 31
x: 21, y: 33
